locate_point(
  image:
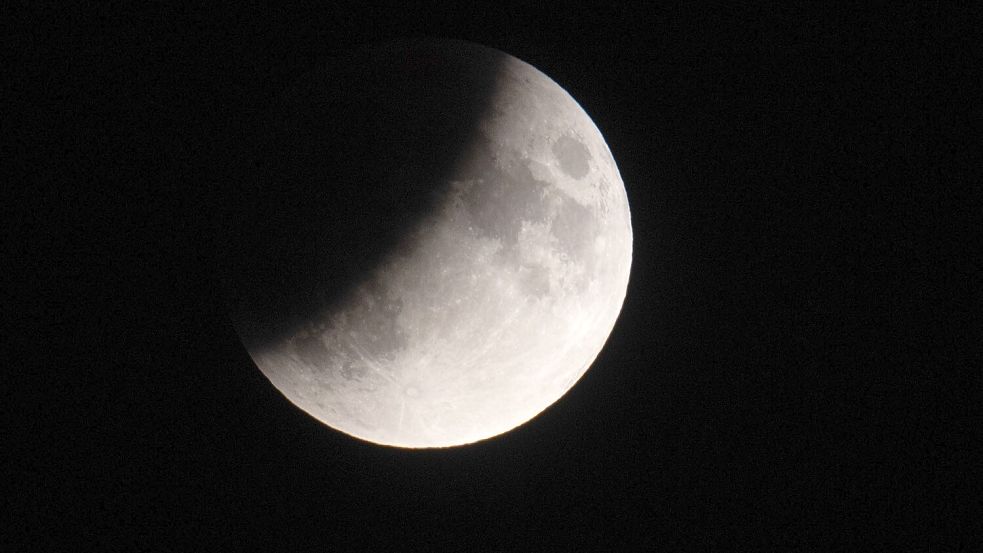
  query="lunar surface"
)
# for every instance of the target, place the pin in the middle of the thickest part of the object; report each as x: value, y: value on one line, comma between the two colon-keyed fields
x: 498, y: 294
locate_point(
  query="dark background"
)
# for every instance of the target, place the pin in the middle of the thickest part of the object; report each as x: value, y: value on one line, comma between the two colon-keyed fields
x: 797, y: 365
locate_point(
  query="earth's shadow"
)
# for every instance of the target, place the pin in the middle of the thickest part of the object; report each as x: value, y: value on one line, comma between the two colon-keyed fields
x: 348, y: 161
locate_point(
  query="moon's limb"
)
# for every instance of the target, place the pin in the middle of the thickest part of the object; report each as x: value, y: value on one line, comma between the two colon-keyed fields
x: 501, y: 299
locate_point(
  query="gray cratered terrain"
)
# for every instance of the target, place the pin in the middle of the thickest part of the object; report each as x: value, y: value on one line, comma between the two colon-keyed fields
x: 499, y: 295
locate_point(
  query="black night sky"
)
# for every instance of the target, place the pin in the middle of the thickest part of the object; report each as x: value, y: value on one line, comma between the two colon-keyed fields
x: 797, y: 366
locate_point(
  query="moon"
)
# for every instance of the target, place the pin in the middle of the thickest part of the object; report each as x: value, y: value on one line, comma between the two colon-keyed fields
x: 490, y: 290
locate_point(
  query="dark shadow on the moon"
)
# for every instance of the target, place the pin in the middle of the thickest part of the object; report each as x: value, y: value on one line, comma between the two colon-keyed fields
x: 350, y: 160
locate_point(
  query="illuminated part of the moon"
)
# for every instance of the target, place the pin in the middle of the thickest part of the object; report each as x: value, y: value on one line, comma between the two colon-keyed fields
x: 498, y: 301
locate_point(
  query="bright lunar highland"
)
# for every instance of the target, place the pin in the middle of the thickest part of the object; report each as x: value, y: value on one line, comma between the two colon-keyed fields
x: 498, y: 298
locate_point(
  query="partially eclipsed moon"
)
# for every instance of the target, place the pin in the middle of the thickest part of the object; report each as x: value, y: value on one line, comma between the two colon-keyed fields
x: 498, y: 297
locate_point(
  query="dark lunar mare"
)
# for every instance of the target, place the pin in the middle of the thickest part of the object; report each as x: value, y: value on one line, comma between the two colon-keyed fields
x: 346, y: 164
